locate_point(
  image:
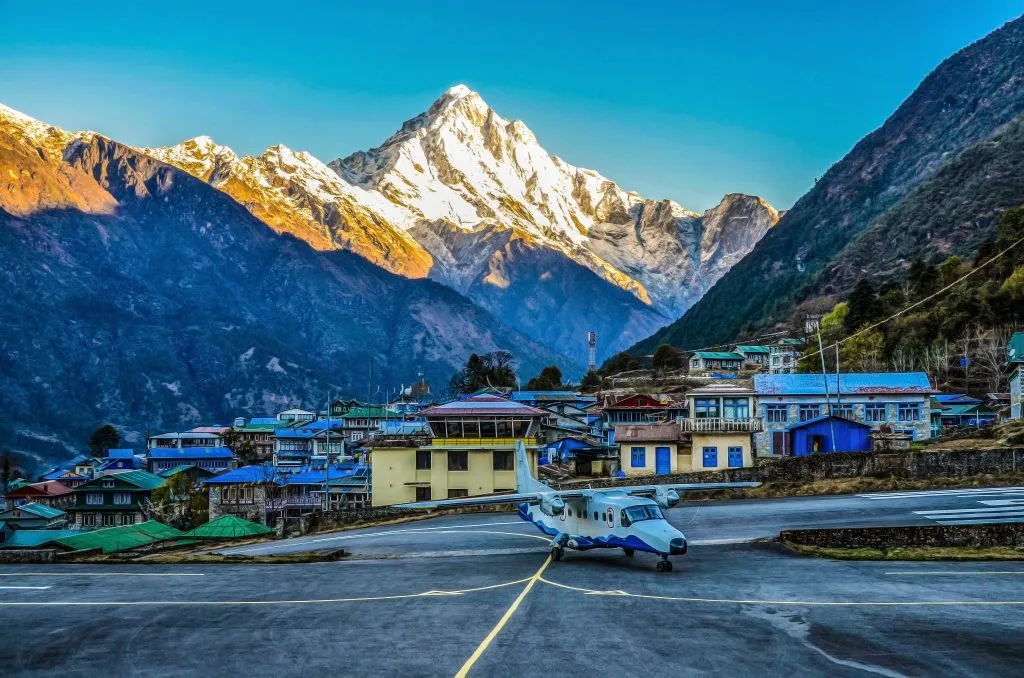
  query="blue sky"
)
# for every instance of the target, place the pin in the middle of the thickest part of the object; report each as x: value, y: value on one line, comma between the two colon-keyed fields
x: 682, y: 100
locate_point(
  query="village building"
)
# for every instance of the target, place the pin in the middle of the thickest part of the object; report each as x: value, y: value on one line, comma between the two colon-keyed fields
x: 957, y: 410
x: 66, y: 477
x: 243, y: 492
x: 722, y: 419
x: 185, y: 439
x: 1015, y: 372
x: 257, y: 434
x: 33, y: 516
x: 637, y: 408
x: 295, y: 415
x: 472, y: 452
x: 215, y: 459
x: 899, y: 399
x: 758, y: 356
x: 361, y: 421
x: 716, y: 360
x: 649, y: 449
x: 784, y: 355
x: 51, y: 493
x: 120, y: 498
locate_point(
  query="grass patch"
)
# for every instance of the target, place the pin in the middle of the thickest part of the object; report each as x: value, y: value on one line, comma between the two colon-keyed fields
x: 910, y: 552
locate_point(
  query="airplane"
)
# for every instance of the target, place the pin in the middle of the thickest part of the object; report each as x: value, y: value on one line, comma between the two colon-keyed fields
x: 627, y: 517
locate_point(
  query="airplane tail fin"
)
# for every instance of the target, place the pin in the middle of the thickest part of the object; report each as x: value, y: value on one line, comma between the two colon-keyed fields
x: 525, y: 482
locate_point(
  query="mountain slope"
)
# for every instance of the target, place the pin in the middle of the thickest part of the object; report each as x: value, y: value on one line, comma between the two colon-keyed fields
x: 433, y: 198
x: 964, y: 101
x: 172, y: 306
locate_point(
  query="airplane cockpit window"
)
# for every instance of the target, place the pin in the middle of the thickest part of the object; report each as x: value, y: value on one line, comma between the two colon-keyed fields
x: 646, y: 512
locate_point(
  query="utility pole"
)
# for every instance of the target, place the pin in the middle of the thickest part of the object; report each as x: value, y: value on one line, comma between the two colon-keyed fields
x: 828, y: 401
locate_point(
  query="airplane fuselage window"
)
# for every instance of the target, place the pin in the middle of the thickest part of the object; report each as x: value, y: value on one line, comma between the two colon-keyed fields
x: 645, y: 512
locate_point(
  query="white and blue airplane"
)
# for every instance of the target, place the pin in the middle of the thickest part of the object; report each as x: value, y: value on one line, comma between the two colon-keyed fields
x: 627, y: 517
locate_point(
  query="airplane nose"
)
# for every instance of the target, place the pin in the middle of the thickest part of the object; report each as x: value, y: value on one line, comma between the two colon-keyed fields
x: 677, y: 546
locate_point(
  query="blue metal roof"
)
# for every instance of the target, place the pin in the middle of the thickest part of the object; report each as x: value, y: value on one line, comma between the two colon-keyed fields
x: 316, y: 476
x: 865, y: 383
x: 245, y: 474
x: 190, y: 453
x: 30, y: 539
x: 957, y: 398
x: 41, y: 510
x: 120, y: 453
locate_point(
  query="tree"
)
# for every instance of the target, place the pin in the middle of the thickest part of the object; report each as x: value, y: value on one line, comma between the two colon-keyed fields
x: 591, y: 382
x: 8, y: 470
x: 864, y: 353
x: 549, y: 379
x: 243, y: 449
x: 620, y: 362
x: 862, y: 306
x: 180, y: 503
x: 494, y: 369
x: 103, y: 439
x: 665, y: 358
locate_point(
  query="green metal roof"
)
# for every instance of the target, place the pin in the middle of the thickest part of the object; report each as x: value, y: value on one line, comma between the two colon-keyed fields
x: 124, y: 538
x: 41, y: 510
x: 1015, y: 349
x: 228, y: 527
x: 372, y: 412
x: 144, y: 480
x: 718, y: 355
x: 792, y: 342
x: 30, y: 539
x: 174, y: 470
x: 752, y: 349
x: 958, y: 410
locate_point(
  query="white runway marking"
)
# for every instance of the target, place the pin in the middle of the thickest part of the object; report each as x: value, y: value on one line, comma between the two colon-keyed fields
x: 34, y: 588
x: 953, y: 574
x: 975, y: 516
x: 964, y: 492
x: 102, y: 574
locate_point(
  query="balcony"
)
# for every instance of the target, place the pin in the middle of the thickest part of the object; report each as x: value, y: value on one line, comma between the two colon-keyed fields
x: 485, y: 443
x: 720, y: 425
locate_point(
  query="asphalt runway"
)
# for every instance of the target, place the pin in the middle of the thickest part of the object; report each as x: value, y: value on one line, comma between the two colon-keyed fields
x: 477, y: 593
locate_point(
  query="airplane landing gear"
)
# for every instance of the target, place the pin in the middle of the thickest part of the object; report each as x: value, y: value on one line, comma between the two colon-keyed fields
x: 629, y: 552
x: 557, y: 552
x: 664, y: 565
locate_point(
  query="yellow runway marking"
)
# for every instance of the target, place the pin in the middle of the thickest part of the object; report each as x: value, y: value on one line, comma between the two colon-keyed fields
x: 501, y: 622
x: 317, y: 601
x: 807, y: 603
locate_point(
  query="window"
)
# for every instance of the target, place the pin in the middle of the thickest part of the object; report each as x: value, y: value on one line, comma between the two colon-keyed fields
x: 638, y: 457
x: 458, y: 461
x: 776, y: 414
x: 504, y: 460
x: 88, y: 520
x: 94, y: 498
x: 706, y: 408
x: 843, y: 410
x: 908, y: 412
x: 736, y: 408
x: 874, y: 412
x: 595, y: 515
x: 422, y: 460
x: 710, y: 457
x: 108, y: 519
x: 643, y: 512
x: 127, y: 518
x: 809, y: 412
x: 735, y: 457
x: 122, y: 498
x: 422, y: 494
x: 108, y: 483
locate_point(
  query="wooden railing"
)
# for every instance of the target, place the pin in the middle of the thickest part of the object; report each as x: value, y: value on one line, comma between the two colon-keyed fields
x: 719, y: 425
x: 482, y: 442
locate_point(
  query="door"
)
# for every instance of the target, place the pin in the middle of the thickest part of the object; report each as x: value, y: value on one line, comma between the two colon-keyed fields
x: 735, y: 457
x: 662, y: 461
x: 778, y: 443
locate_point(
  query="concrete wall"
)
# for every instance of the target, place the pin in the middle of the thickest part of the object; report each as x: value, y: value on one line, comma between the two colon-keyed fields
x: 926, y: 464
x: 650, y: 458
x: 721, y: 442
x: 28, y: 556
x: 918, y: 535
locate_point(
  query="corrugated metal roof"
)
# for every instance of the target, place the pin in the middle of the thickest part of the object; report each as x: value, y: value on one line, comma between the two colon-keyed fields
x: 245, y: 474
x: 190, y: 453
x: 485, y: 404
x: 1015, y: 348
x: 837, y: 419
x: 30, y: 539
x: 120, y: 453
x: 647, y: 433
x: 144, y: 480
x: 124, y: 538
x: 717, y: 355
x: 174, y: 470
x: 41, y: 510
x: 228, y: 527
x: 751, y: 349
x: 956, y: 410
x: 866, y: 383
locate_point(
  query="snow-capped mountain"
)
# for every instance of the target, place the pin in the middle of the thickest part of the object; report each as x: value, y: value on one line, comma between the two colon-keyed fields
x: 472, y: 200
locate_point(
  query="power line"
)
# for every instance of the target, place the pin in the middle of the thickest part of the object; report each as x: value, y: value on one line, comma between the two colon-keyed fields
x: 921, y: 301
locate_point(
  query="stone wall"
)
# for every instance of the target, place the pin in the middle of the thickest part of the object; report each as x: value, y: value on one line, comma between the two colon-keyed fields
x: 918, y: 535
x: 908, y: 465
x: 28, y: 556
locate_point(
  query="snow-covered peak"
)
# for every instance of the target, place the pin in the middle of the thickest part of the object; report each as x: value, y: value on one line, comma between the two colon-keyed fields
x: 201, y: 156
x: 52, y: 140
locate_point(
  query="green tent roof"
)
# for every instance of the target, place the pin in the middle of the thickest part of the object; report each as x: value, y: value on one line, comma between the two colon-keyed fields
x: 124, y: 538
x: 743, y: 348
x: 228, y: 527
x: 371, y: 412
x: 718, y: 355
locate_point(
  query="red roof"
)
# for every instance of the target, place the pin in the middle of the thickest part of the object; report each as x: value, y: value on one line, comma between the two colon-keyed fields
x: 48, y: 488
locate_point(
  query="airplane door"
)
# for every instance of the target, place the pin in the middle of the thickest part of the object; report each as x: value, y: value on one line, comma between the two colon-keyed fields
x: 609, y: 516
x: 662, y: 461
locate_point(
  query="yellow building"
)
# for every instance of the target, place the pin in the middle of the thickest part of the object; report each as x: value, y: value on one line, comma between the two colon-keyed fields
x: 471, y: 452
x: 721, y: 424
x: 649, y: 449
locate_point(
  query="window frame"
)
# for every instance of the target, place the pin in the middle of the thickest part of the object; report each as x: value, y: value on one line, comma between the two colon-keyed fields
x: 871, y: 409
x: 458, y: 454
x: 729, y: 452
x: 770, y: 412
x: 638, y: 453
x: 420, y: 456
x: 740, y: 408
x: 902, y: 407
x: 807, y: 408
x: 90, y: 499
x: 709, y: 451
x: 508, y: 460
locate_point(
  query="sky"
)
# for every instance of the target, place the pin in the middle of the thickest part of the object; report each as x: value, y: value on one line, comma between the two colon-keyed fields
x: 680, y: 100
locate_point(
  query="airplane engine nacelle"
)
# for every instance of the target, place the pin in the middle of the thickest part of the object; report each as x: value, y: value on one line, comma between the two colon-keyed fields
x: 666, y: 497
x: 552, y: 506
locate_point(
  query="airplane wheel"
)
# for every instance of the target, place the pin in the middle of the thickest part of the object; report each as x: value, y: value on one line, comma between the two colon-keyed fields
x: 557, y: 553
x: 660, y: 566
x: 629, y: 552
x: 668, y: 565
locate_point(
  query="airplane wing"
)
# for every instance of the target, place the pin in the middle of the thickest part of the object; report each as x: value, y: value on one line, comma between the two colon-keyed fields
x: 641, y: 490
x: 490, y: 499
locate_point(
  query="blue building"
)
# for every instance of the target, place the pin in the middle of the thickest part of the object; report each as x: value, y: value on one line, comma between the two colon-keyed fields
x: 898, y: 399
x: 828, y: 434
x: 209, y: 458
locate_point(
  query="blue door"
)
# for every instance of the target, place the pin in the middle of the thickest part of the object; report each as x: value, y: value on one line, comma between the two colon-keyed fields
x: 735, y: 457
x: 662, y: 461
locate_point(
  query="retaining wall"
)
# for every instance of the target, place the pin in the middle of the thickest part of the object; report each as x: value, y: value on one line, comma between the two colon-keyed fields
x: 28, y: 556
x: 1011, y: 534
